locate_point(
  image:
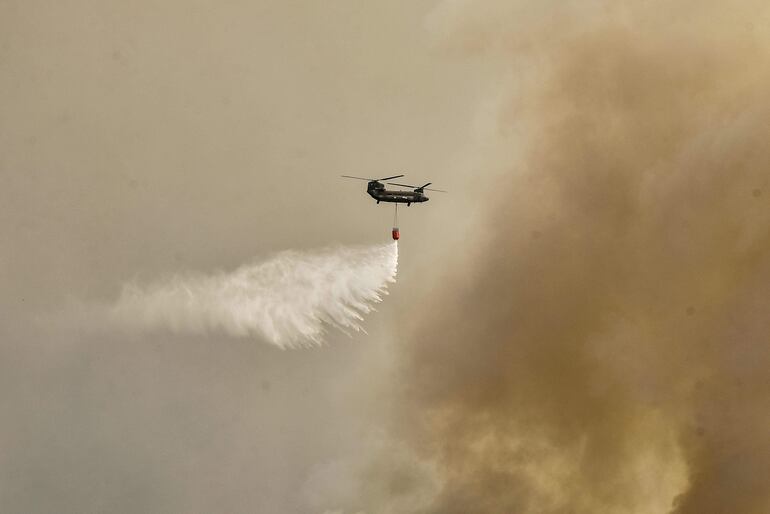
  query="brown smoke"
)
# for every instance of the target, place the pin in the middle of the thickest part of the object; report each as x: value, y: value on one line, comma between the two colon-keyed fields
x: 606, y: 349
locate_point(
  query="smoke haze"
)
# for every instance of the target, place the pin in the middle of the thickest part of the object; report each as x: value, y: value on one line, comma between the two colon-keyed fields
x: 608, y: 349
x: 289, y: 300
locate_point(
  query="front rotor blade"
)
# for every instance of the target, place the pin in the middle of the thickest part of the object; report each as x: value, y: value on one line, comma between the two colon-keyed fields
x: 358, y: 178
x: 389, y: 178
x: 402, y: 185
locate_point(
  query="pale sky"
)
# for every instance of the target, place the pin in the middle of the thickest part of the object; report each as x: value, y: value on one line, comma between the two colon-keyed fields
x: 144, y: 138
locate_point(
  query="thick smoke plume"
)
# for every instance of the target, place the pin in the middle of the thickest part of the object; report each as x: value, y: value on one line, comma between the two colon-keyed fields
x: 606, y: 349
x: 288, y: 300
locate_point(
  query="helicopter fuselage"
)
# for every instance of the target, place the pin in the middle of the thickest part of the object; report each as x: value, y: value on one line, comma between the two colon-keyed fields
x: 377, y: 191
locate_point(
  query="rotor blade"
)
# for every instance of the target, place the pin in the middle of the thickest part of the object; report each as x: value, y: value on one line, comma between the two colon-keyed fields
x: 415, y: 187
x: 358, y: 178
x: 389, y: 178
x: 426, y: 185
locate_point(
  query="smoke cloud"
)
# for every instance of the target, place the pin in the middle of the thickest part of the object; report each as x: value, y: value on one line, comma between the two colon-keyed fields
x: 288, y: 300
x: 605, y: 349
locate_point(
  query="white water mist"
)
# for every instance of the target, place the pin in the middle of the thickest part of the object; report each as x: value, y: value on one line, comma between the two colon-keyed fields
x: 288, y: 299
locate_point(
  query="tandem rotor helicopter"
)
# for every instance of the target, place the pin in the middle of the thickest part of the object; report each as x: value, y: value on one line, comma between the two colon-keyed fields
x: 376, y: 189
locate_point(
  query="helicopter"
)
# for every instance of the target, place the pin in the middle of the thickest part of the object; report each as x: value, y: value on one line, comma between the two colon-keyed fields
x: 377, y: 190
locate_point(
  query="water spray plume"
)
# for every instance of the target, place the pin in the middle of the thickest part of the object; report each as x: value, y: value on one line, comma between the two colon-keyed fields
x: 289, y: 300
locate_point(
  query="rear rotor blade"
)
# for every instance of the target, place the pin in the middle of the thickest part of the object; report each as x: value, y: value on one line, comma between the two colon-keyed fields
x: 416, y: 187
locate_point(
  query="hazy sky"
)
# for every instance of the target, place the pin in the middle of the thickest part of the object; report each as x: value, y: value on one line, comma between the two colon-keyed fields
x: 579, y: 326
x: 143, y: 138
